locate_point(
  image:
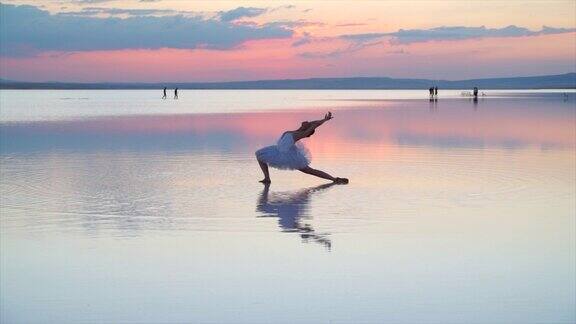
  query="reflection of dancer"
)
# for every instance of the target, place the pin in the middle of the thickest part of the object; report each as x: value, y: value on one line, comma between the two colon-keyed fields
x: 176, y: 93
x: 164, y: 96
x: 291, y: 208
x: 287, y: 154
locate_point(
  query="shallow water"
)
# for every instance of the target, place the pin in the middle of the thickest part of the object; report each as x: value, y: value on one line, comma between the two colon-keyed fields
x: 144, y: 210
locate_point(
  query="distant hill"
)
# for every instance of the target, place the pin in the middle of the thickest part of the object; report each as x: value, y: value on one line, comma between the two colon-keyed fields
x: 560, y: 81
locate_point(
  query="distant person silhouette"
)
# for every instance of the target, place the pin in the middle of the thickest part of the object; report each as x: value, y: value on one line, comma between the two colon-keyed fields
x: 475, y: 92
x: 176, y: 93
x: 436, y: 91
x: 164, y: 96
x: 431, y: 92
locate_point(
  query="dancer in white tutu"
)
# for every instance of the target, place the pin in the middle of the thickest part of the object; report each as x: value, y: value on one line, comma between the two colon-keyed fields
x: 287, y: 154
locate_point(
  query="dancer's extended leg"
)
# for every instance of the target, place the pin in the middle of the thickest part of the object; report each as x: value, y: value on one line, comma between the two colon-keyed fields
x: 323, y: 175
x: 264, y: 168
x: 318, y: 173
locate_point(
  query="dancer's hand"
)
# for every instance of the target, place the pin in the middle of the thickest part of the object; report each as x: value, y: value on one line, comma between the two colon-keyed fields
x: 328, y: 116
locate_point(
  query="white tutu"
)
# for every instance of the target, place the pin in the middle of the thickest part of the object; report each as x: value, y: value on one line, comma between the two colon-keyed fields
x: 285, y: 154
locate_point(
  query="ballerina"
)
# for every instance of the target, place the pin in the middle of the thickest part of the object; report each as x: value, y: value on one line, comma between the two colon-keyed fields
x: 287, y: 154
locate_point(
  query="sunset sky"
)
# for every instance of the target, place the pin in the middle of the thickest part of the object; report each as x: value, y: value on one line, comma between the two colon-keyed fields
x: 167, y: 40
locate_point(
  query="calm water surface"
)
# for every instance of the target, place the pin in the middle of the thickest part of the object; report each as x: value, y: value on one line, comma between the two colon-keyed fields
x: 116, y: 206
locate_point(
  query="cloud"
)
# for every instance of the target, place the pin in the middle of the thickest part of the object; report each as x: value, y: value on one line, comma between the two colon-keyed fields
x: 241, y: 12
x: 286, y: 7
x: 357, y: 42
x: 294, y: 23
x: 249, y: 12
x: 461, y: 33
x: 552, y: 30
x: 305, y: 39
x: 407, y: 36
x: 350, y: 48
x: 94, y: 11
x: 351, y: 24
x: 92, y: 1
x: 27, y: 30
x: 363, y: 37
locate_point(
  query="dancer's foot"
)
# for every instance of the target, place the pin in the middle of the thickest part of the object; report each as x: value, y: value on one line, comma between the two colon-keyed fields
x: 265, y: 180
x: 341, y: 181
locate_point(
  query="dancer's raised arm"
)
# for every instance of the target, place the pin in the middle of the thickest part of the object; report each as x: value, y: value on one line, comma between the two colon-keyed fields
x: 309, y: 127
x: 316, y: 123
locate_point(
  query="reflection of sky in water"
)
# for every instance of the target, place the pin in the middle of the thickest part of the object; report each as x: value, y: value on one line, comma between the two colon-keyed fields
x: 455, y: 212
x: 504, y: 123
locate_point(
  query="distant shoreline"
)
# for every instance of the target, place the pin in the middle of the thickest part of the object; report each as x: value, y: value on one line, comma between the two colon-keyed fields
x: 560, y: 81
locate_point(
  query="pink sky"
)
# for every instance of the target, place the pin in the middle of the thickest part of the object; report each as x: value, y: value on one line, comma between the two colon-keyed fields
x: 310, y: 39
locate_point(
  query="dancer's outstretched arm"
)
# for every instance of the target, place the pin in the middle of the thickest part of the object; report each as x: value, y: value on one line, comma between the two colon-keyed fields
x: 313, y: 125
x: 316, y: 123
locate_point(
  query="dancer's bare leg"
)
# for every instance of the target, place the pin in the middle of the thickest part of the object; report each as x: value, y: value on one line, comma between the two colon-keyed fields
x: 323, y: 175
x: 318, y: 173
x: 264, y: 168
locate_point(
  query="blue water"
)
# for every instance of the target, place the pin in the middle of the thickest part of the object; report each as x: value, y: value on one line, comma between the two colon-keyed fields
x: 117, y: 206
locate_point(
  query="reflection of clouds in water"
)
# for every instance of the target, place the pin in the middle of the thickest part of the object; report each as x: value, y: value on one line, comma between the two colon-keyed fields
x: 291, y: 208
x: 507, y: 123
